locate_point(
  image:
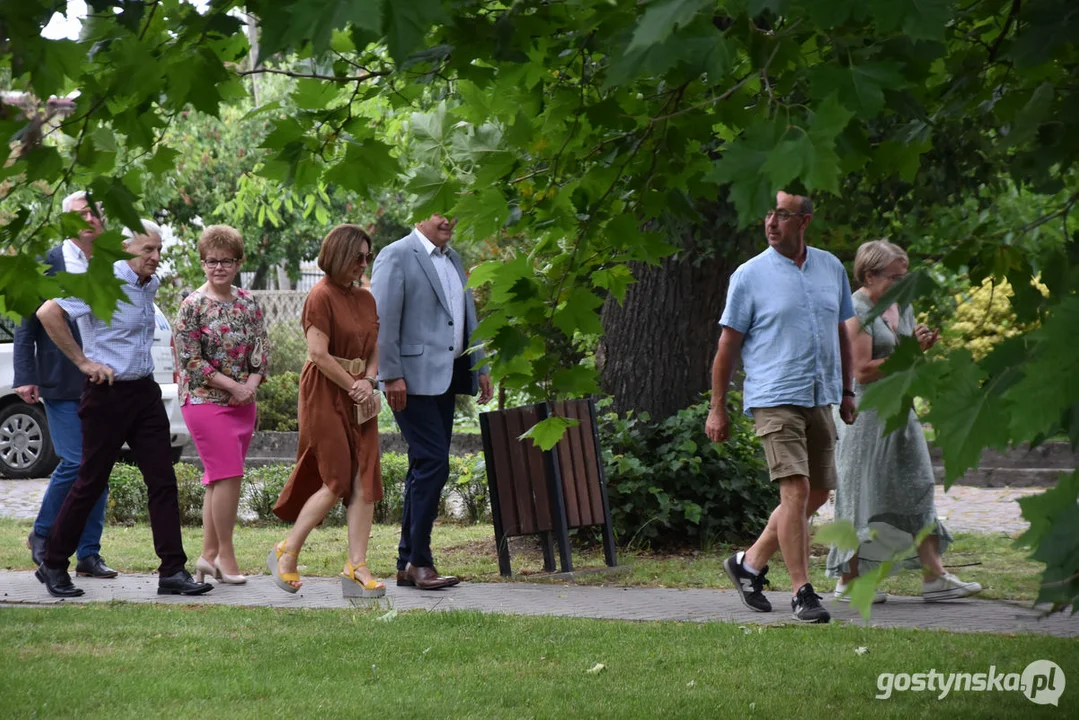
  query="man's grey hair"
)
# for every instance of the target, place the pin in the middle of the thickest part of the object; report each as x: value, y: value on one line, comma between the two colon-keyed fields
x: 67, y: 202
x: 149, y: 227
x: 807, y: 205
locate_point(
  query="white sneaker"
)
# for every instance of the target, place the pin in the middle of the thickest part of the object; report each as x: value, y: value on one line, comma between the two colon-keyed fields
x: 841, y: 595
x: 948, y: 587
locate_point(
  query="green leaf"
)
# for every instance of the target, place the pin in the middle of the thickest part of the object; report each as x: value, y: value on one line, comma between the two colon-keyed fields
x: 311, y: 94
x: 408, y: 23
x: 616, y: 279
x: 43, y: 163
x: 1031, y: 116
x: 162, y: 161
x: 576, y: 381
x: 480, y: 214
x: 967, y: 417
x: 742, y: 166
x: 367, y: 166
x: 1050, y: 384
x: 119, y: 202
x: 51, y: 63
x: 546, y: 433
x: 434, y: 193
x: 860, y: 87
x: 907, y: 374
x: 919, y: 19
x: 1041, y: 511
x: 840, y: 533
x: 914, y: 285
x: 660, y: 19
x: 578, y: 313
x: 24, y: 284
x: 831, y: 14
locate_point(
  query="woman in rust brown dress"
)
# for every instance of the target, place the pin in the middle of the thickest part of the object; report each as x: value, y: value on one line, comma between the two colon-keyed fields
x: 337, y: 458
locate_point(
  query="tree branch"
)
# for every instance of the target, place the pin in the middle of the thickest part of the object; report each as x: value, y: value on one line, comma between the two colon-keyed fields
x: 316, y: 76
x: 1012, y: 15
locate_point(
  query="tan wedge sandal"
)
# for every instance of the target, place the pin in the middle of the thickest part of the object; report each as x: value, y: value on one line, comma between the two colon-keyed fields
x: 353, y: 587
x: 281, y: 579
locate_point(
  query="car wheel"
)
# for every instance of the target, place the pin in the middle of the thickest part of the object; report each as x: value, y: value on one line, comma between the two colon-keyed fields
x: 25, y: 446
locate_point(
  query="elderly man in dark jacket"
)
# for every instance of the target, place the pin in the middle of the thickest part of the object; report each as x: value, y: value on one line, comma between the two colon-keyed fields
x: 43, y: 373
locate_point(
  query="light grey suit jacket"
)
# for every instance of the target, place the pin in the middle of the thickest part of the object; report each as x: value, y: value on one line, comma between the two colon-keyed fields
x: 415, y: 334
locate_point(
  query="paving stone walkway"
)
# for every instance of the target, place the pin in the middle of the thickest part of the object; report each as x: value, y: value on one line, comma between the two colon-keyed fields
x: 967, y: 509
x: 613, y: 603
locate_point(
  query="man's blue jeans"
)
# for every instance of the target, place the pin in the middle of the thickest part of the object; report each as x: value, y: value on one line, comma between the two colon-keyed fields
x: 65, y: 428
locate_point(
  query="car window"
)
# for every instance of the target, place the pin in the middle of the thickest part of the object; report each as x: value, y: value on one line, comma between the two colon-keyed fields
x: 7, y: 329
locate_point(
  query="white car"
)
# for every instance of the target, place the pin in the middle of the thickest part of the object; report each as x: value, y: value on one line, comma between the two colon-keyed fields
x: 25, y: 446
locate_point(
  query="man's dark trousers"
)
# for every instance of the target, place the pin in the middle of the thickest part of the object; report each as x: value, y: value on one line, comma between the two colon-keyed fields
x: 132, y: 412
x: 427, y: 424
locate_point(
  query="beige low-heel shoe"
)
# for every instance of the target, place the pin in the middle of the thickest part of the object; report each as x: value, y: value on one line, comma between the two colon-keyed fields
x: 224, y: 577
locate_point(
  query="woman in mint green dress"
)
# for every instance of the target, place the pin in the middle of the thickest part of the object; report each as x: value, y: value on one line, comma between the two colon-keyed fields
x: 885, y: 481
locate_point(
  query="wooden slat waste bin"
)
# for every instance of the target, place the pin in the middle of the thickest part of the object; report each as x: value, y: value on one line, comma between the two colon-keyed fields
x: 545, y: 493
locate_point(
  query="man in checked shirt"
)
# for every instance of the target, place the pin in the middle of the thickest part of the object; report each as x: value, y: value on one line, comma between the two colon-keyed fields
x: 120, y: 403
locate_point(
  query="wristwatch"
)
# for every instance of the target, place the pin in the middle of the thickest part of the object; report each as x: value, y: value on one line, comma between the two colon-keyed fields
x: 849, y: 393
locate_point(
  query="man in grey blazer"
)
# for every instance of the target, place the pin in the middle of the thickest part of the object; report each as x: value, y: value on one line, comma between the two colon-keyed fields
x: 425, y: 319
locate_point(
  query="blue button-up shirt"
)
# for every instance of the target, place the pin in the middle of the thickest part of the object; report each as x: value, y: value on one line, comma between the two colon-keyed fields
x: 126, y: 344
x: 790, y: 318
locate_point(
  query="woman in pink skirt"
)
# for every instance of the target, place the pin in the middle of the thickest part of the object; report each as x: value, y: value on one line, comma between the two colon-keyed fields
x: 223, y: 355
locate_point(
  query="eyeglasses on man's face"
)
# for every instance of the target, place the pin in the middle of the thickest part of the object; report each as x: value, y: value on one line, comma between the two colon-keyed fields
x: 227, y: 263
x: 782, y: 215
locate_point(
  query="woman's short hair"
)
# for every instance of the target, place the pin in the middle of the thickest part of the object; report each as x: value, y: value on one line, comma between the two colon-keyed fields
x: 340, y: 248
x: 874, y: 256
x: 221, y: 237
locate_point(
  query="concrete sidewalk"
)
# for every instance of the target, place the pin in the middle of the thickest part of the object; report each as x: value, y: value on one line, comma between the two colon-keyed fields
x: 613, y: 603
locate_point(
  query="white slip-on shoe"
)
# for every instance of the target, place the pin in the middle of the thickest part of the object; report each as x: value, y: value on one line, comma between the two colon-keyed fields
x: 948, y: 587
x: 841, y: 595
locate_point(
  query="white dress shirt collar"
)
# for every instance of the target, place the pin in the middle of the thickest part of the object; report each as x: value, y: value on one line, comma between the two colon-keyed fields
x: 429, y: 246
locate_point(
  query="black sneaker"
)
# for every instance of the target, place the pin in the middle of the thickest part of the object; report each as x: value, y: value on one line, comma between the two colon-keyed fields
x: 750, y: 586
x: 807, y: 608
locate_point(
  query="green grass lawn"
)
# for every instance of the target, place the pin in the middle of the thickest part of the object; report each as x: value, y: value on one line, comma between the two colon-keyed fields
x: 141, y: 661
x: 469, y: 551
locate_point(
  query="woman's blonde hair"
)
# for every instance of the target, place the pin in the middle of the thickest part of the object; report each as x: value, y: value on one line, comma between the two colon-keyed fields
x: 340, y: 248
x: 874, y: 256
x: 221, y: 237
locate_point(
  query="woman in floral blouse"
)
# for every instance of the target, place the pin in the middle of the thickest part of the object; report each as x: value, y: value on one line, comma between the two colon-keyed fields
x: 223, y: 355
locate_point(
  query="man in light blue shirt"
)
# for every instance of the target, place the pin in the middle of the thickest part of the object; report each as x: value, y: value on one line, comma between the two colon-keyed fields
x: 785, y: 316
x: 121, y: 402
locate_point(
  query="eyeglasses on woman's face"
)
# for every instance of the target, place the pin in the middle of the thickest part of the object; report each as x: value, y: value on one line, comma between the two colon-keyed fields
x: 227, y: 263
x: 367, y: 257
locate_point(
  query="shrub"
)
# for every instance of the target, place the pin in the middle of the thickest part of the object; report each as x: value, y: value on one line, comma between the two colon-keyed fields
x: 667, y: 483
x: 262, y: 487
x: 288, y: 349
x: 983, y: 318
x: 127, y: 496
x: 394, y: 469
x: 128, y: 501
x: 278, y: 403
x: 191, y: 492
x: 468, y: 481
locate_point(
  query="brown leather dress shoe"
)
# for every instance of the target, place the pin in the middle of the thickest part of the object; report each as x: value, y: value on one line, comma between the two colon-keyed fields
x: 426, y: 578
x: 403, y: 580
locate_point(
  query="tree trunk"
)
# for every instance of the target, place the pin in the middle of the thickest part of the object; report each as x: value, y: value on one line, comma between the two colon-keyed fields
x: 658, y: 346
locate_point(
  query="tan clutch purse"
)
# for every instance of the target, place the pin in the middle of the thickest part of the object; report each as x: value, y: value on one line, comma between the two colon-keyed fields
x: 369, y: 408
